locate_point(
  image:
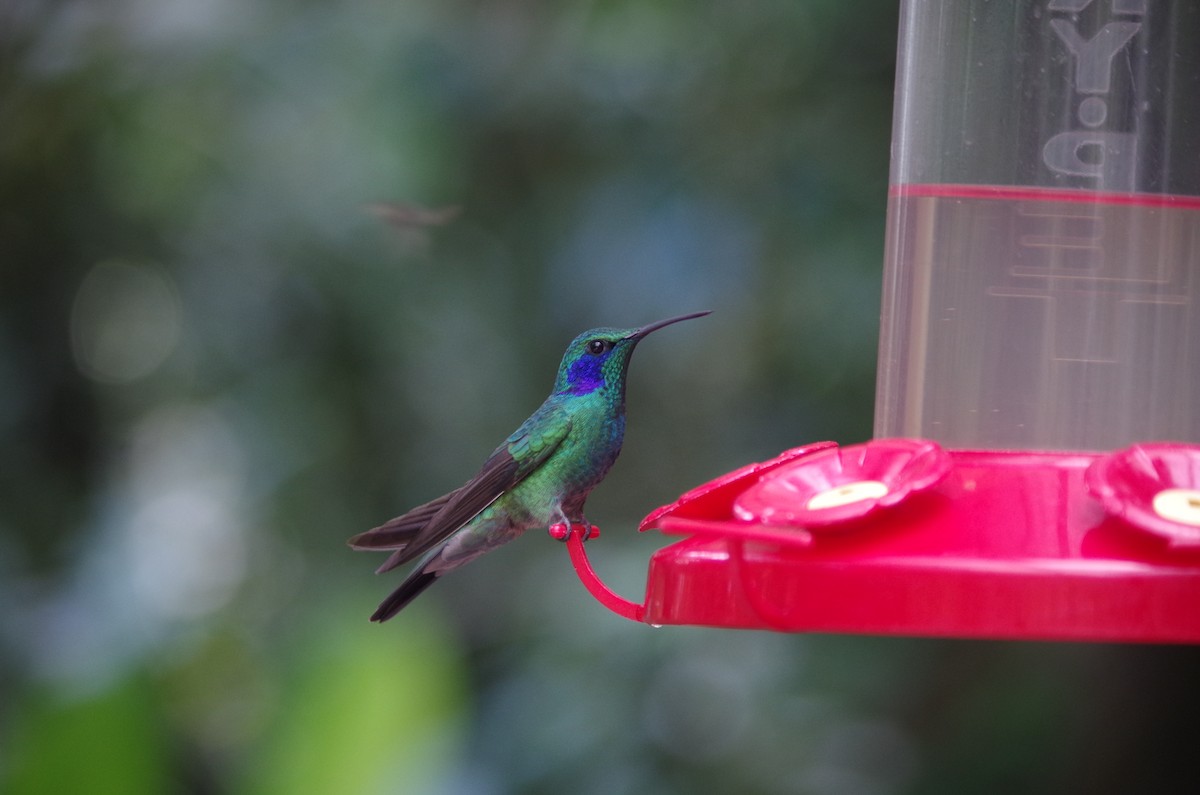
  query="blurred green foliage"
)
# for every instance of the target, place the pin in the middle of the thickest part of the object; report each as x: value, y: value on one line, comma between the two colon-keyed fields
x: 217, y: 361
x: 107, y: 742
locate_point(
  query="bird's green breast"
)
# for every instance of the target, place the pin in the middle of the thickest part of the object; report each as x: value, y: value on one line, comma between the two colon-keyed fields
x: 580, y: 461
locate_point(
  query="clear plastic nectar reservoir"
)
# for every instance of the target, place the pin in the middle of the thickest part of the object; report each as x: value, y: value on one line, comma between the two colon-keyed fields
x: 1042, y: 274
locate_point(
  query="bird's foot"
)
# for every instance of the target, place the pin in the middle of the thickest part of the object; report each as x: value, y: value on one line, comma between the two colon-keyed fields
x: 561, y: 531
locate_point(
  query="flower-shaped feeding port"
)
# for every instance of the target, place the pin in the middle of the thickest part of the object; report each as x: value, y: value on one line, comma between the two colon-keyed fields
x: 714, y: 499
x: 1153, y: 487
x: 832, y: 487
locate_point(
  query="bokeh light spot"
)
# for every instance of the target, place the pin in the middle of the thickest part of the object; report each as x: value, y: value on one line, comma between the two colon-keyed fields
x: 125, y: 321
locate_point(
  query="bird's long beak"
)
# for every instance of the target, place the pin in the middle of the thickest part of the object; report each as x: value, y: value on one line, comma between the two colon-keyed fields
x: 644, y: 330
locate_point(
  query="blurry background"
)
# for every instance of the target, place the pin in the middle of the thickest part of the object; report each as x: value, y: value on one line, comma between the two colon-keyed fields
x: 219, y: 358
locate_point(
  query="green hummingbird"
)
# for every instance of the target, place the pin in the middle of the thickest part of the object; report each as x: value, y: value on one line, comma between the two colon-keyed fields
x: 541, y: 475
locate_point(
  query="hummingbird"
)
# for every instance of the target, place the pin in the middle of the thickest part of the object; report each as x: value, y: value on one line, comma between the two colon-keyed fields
x: 539, y: 476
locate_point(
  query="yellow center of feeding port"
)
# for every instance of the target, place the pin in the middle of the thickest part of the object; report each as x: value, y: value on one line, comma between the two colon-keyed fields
x: 846, y: 494
x: 1179, y: 505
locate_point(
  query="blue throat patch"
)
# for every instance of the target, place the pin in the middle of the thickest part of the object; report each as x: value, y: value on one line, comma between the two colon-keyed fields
x: 586, y: 375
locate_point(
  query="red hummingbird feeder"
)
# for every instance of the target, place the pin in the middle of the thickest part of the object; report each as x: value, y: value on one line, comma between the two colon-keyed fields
x: 1040, y: 336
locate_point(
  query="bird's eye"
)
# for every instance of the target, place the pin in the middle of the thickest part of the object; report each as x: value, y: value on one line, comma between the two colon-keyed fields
x: 597, y: 347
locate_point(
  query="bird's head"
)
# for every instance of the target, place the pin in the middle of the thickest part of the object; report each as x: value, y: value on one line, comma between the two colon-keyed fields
x: 599, y: 358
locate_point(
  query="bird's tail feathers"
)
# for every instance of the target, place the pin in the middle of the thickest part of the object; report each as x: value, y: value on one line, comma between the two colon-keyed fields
x: 408, y: 590
x: 397, y: 558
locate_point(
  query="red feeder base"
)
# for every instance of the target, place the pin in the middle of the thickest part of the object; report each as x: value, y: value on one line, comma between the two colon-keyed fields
x: 900, y: 537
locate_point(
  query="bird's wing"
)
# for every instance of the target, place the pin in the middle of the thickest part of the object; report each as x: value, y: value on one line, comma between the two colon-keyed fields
x: 399, y: 531
x: 521, y: 454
